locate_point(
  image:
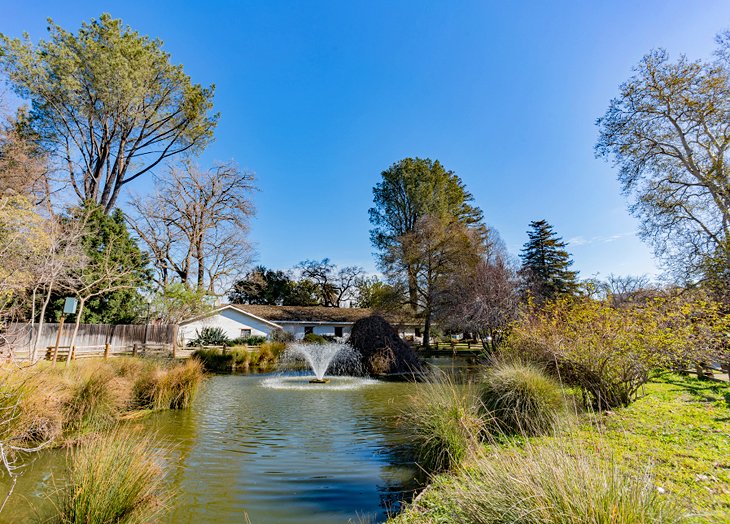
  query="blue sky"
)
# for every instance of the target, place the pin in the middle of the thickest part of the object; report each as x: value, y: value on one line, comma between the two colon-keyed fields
x: 317, y: 98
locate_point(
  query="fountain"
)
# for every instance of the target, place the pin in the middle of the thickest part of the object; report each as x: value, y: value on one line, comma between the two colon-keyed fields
x: 337, y: 365
x: 320, y: 357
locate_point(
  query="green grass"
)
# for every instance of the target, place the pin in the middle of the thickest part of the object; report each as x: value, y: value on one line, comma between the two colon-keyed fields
x: 677, y: 435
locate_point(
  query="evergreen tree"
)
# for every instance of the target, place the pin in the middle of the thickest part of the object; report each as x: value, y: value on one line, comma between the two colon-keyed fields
x: 546, y: 263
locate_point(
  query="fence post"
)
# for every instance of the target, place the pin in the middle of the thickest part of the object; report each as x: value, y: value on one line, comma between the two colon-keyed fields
x: 107, y: 347
x: 73, y: 353
x: 134, y: 349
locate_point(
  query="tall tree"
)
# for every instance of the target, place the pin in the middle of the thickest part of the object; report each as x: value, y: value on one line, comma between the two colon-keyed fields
x: 668, y: 133
x: 262, y: 286
x: 334, y: 286
x: 435, y: 250
x: 546, y: 263
x: 195, y: 225
x: 108, y: 103
x: 409, y: 190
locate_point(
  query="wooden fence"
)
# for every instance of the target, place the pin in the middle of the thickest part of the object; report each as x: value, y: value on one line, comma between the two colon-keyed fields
x: 91, y: 339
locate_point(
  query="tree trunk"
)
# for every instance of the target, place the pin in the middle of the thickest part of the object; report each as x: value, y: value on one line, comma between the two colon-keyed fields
x: 412, y: 289
x: 41, y: 322
x: 76, y: 330
x: 427, y: 328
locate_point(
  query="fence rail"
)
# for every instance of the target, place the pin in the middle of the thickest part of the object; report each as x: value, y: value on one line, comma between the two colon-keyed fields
x: 20, y: 341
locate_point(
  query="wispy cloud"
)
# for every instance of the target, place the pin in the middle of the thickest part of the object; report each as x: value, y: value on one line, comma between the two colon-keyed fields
x: 583, y: 241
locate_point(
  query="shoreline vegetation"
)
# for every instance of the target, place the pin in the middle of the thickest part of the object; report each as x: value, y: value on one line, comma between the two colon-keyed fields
x: 660, y: 459
x: 113, y: 474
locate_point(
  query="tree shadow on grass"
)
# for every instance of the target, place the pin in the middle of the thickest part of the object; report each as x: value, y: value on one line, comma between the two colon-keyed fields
x: 707, y: 390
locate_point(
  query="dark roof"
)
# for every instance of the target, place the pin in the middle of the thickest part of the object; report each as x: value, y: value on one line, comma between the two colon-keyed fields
x: 304, y: 313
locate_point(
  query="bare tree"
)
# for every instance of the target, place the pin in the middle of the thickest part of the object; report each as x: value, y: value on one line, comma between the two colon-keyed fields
x: 482, y: 300
x: 620, y: 290
x: 668, y: 133
x: 334, y: 286
x: 195, y: 225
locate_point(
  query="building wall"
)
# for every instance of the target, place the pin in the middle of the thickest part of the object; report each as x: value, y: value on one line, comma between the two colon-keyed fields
x: 297, y: 329
x: 230, y: 320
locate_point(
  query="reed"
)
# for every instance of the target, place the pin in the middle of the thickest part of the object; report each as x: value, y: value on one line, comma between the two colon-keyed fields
x: 114, y: 478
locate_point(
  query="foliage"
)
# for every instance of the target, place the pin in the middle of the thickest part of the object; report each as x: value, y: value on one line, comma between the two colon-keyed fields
x: 262, y: 286
x: 114, y: 478
x: 177, y: 302
x: 408, y: 191
x: 520, y: 398
x: 609, y: 351
x: 443, y: 423
x: 334, y: 286
x: 381, y: 349
x: 433, y: 252
x: 108, y: 103
x: 253, y: 340
x: 210, y: 336
x: 313, y: 338
x: 545, y: 264
x: 667, y: 133
x: 379, y: 296
x: 24, y: 165
x: 280, y: 335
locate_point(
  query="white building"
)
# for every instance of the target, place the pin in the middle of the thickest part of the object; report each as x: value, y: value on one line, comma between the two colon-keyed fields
x: 244, y: 320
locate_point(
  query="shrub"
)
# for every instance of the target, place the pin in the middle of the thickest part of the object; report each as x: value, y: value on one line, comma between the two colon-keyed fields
x: 521, y: 398
x: 267, y: 355
x: 241, y: 359
x: 443, y: 423
x: 279, y: 335
x: 113, y: 479
x: 313, y: 338
x: 171, y: 388
x: 561, y: 484
x: 210, y: 336
x: 247, y: 341
x: 213, y: 360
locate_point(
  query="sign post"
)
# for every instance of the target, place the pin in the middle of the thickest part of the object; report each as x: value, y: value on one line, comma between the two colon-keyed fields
x: 69, y: 308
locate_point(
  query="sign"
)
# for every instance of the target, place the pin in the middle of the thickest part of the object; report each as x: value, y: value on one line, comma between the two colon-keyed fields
x: 69, y: 306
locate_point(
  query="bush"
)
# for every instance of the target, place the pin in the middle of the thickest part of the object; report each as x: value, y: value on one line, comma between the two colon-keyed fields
x: 267, y: 355
x: 247, y: 341
x: 381, y: 348
x: 553, y: 485
x: 171, y: 388
x: 210, y: 336
x: 279, y: 335
x: 213, y: 360
x: 313, y: 338
x: 521, y: 398
x: 113, y: 479
x: 443, y: 423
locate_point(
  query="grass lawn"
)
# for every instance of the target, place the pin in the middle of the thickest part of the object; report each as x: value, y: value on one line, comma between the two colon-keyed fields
x: 679, y: 431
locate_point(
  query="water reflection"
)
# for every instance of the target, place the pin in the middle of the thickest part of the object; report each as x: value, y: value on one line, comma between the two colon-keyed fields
x: 278, y: 455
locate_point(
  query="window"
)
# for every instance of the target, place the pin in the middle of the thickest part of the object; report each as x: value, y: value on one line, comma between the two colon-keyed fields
x: 418, y: 332
x: 338, y: 331
x: 308, y: 330
x: 245, y: 333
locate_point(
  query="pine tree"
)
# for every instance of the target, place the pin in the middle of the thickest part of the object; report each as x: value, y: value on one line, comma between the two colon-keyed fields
x: 546, y: 263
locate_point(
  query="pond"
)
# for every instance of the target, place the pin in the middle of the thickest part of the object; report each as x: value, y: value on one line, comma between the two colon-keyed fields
x: 273, y: 448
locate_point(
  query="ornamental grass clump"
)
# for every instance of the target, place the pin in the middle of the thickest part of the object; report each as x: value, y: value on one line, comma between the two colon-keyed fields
x: 520, y: 398
x: 174, y: 387
x: 556, y: 484
x: 213, y: 360
x: 97, y: 398
x: 443, y: 423
x: 113, y: 478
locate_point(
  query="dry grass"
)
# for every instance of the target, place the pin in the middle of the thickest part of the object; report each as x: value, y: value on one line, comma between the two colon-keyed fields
x: 443, y: 422
x: 169, y: 388
x: 113, y: 479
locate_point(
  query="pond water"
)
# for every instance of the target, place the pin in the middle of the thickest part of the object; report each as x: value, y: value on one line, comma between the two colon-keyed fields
x: 274, y: 448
